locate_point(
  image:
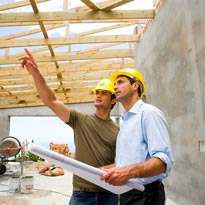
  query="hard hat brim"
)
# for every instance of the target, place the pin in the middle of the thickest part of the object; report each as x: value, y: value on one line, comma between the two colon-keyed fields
x: 118, y: 73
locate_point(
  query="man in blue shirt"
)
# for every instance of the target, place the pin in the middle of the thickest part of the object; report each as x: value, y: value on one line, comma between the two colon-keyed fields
x: 143, y: 149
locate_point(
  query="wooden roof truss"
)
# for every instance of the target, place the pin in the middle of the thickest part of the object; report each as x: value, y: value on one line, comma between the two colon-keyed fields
x: 72, y: 63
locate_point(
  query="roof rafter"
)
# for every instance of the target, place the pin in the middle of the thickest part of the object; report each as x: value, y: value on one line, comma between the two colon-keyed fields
x: 66, y: 41
x: 123, y: 53
x: 83, y: 15
x: 74, y: 47
x: 91, y: 4
x: 18, y: 4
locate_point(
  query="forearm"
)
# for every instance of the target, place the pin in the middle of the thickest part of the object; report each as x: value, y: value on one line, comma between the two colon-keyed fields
x: 45, y: 93
x: 152, y: 167
x: 120, y: 175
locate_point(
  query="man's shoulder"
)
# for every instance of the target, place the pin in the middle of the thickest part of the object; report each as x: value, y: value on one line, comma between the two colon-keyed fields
x: 147, y: 108
x: 75, y: 112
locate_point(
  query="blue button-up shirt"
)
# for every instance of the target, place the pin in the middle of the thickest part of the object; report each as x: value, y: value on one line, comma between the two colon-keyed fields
x: 144, y: 134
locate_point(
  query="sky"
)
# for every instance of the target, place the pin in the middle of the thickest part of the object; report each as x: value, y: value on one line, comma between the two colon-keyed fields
x: 43, y: 130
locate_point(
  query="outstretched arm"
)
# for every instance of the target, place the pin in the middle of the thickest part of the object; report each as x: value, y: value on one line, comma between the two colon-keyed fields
x: 46, y: 94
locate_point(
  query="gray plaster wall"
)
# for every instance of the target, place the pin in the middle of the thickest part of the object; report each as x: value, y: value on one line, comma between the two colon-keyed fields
x: 171, y: 55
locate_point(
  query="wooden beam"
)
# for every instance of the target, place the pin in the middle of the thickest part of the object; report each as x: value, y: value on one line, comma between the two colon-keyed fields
x: 91, y: 4
x: 106, y: 28
x: 18, y: 4
x: 101, y: 4
x: 32, y: 31
x: 104, y: 54
x: 66, y: 41
x: 7, y: 72
x: 83, y: 15
x: 32, y: 102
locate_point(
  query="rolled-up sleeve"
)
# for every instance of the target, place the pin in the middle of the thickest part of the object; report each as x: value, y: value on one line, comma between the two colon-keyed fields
x: 156, y: 132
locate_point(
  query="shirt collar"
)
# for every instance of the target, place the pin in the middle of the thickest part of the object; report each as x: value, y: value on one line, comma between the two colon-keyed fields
x: 134, y: 109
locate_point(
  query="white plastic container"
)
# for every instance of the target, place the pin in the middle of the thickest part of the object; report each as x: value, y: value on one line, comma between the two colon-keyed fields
x: 26, y: 184
x: 14, y: 184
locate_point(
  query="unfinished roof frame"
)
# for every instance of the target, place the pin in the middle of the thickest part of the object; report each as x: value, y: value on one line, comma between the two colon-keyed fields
x: 70, y: 73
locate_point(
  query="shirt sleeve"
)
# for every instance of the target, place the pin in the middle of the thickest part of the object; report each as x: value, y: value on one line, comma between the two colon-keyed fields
x: 156, y: 134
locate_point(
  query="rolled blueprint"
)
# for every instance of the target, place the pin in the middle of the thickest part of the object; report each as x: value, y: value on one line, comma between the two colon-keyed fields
x: 82, y: 170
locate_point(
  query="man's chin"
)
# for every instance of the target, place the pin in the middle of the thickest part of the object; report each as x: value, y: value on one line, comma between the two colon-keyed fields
x: 97, y: 104
x: 117, y: 96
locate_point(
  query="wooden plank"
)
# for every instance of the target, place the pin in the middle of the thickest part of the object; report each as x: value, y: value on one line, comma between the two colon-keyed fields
x: 83, y: 15
x: 92, y: 65
x: 91, y: 4
x: 104, y: 54
x: 106, y: 28
x: 69, y: 78
x: 32, y: 31
x: 66, y: 41
x: 18, y: 4
x: 7, y: 24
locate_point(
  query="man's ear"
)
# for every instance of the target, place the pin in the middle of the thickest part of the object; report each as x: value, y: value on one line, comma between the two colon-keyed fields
x: 113, y: 101
x: 136, y: 85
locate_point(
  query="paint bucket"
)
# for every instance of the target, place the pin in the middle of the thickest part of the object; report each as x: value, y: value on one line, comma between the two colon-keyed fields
x: 14, y: 184
x: 27, y: 184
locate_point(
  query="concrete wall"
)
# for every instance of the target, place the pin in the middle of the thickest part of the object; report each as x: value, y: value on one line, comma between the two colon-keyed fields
x: 171, y: 56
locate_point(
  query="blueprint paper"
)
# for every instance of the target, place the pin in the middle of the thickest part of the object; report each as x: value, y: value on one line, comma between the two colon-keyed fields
x: 82, y: 170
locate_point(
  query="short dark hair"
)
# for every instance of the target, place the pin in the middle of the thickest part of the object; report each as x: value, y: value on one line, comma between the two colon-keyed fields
x: 113, y: 97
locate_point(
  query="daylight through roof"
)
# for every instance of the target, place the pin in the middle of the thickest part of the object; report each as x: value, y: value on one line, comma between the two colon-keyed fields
x: 76, y: 44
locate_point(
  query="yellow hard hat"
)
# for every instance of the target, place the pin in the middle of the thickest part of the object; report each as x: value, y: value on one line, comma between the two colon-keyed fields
x: 105, y: 84
x: 132, y: 73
